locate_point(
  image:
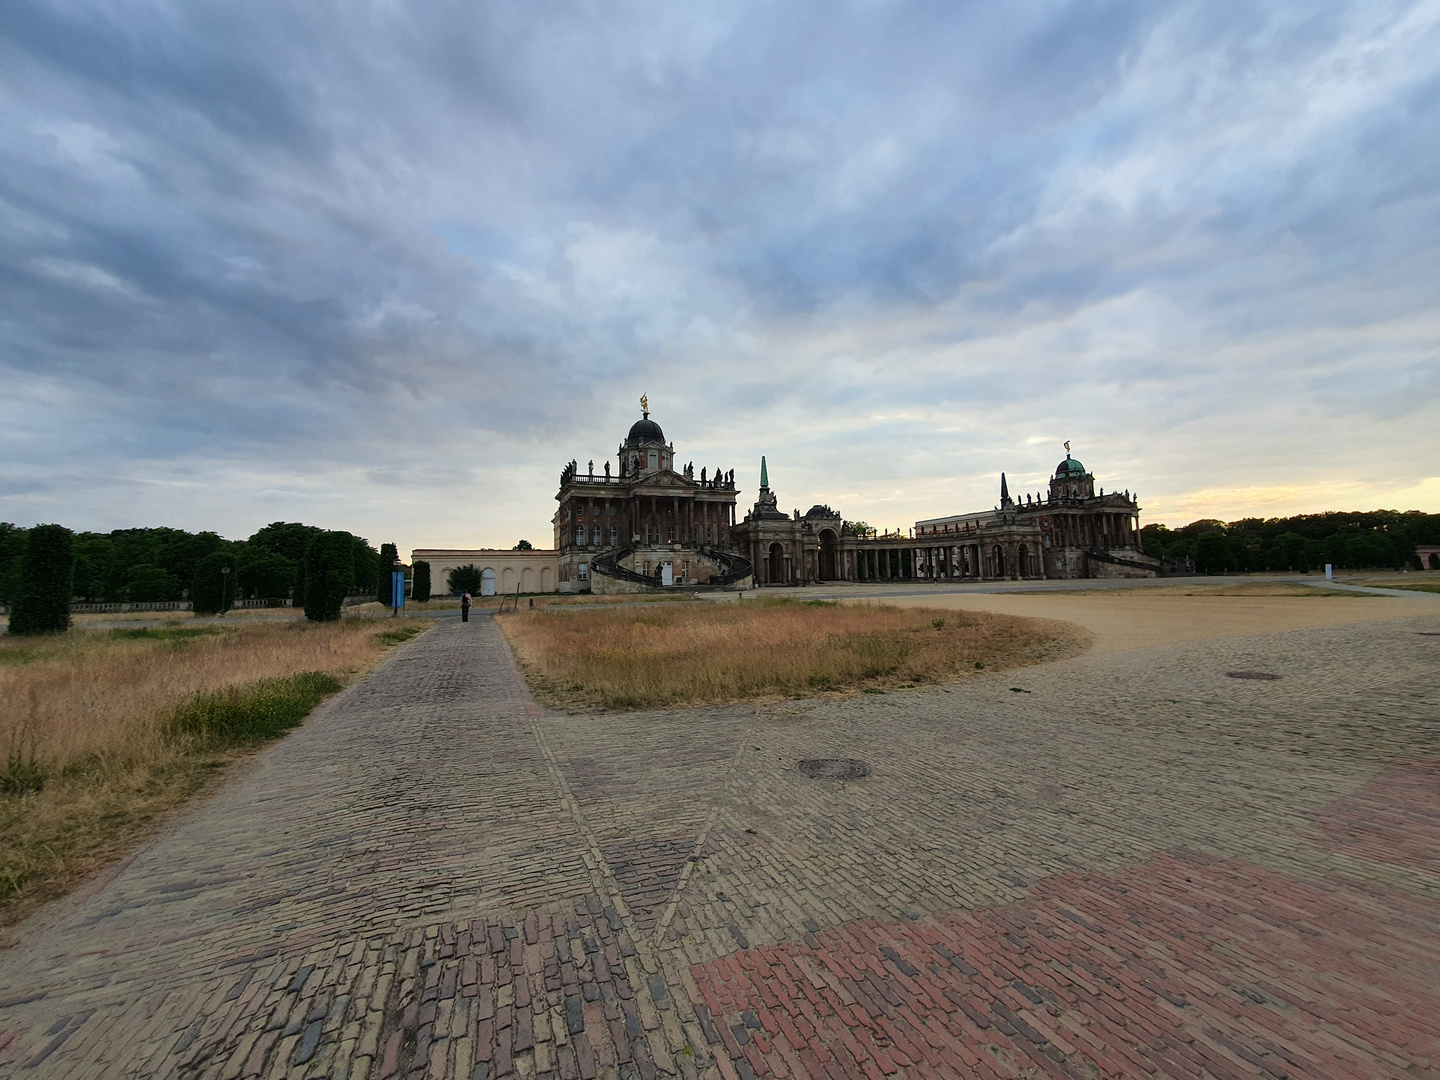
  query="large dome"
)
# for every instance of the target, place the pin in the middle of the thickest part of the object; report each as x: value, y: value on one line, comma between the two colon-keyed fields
x: 645, y: 430
x: 1069, y: 467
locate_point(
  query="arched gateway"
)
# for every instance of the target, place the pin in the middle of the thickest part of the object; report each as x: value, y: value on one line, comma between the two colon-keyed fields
x: 829, y: 542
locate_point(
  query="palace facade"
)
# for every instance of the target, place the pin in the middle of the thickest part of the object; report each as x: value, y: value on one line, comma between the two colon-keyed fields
x: 646, y: 523
x: 1070, y: 532
x: 1067, y: 532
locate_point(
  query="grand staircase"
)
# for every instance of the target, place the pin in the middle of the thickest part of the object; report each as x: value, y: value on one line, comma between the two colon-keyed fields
x: 733, y: 568
x: 1155, y: 566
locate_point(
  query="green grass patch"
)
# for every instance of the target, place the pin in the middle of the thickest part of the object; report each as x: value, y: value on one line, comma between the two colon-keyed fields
x: 1419, y: 586
x: 252, y: 712
x: 399, y: 635
x: 21, y: 775
x: 168, y: 632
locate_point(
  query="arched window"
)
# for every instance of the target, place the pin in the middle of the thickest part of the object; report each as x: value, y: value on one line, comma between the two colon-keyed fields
x: 580, y: 536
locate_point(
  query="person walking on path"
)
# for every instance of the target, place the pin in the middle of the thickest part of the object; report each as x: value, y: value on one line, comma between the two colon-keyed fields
x: 465, y: 607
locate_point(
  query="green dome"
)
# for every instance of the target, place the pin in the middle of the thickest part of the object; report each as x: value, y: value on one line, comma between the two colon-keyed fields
x: 1069, y: 467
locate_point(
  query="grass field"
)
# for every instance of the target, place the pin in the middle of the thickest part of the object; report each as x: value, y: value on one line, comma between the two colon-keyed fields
x: 102, y: 732
x: 698, y: 653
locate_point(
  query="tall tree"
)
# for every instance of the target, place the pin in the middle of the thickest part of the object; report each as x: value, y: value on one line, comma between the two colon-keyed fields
x: 12, y: 554
x: 329, y: 573
x: 47, y: 575
x: 212, y: 590
x: 149, y: 583
x: 263, y: 573
x: 420, y: 586
x: 384, y: 574
x: 366, y: 562
x: 289, y: 539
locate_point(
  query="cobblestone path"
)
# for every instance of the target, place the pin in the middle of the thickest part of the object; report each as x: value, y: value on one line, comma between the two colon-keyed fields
x: 1134, y: 864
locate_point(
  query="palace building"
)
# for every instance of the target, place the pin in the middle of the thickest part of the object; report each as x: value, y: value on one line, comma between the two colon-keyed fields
x: 1071, y: 533
x: 1068, y: 532
x: 646, y: 523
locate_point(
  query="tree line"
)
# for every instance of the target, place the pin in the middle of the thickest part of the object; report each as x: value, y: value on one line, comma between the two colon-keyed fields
x: 316, y: 567
x: 1349, y: 540
x: 148, y: 565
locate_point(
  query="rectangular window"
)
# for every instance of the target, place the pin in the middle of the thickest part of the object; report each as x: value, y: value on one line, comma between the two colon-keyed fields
x: 580, y: 536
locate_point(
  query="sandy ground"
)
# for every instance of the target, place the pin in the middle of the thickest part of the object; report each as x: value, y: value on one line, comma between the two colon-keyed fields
x: 1156, y: 618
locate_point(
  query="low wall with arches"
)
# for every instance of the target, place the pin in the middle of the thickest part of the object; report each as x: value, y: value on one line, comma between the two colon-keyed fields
x: 502, y: 572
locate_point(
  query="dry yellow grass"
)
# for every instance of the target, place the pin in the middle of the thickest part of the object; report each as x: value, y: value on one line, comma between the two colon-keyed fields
x: 82, y: 717
x: 89, y: 693
x: 697, y: 653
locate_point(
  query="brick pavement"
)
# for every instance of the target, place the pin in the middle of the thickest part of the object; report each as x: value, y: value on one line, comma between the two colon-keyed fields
x: 1115, y: 865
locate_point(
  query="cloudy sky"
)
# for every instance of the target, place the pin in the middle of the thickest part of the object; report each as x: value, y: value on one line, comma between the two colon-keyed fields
x: 388, y: 267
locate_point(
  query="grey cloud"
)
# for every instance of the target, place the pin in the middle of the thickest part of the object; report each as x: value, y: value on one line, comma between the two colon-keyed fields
x: 282, y: 234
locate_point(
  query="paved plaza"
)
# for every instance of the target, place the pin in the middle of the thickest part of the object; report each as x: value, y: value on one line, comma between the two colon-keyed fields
x: 1129, y: 863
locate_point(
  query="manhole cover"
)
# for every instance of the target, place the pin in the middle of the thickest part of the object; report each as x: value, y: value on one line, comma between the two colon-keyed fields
x: 1265, y: 675
x: 834, y: 768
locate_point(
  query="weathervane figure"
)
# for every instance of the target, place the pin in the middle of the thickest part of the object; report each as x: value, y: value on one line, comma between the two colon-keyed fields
x: 645, y: 406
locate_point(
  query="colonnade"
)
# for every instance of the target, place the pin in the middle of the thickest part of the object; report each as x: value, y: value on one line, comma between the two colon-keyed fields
x: 953, y: 562
x: 996, y: 560
x: 655, y: 519
x: 1094, y: 530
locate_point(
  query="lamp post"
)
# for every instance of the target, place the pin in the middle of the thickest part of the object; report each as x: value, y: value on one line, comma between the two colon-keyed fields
x: 224, y: 586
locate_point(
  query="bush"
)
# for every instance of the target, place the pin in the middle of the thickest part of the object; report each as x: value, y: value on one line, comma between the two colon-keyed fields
x: 329, y: 573
x: 253, y: 712
x: 384, y: 582
x: 206, y: 596
x: 420, y: 588
x: 47, y: 576
x: 464, y: 579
